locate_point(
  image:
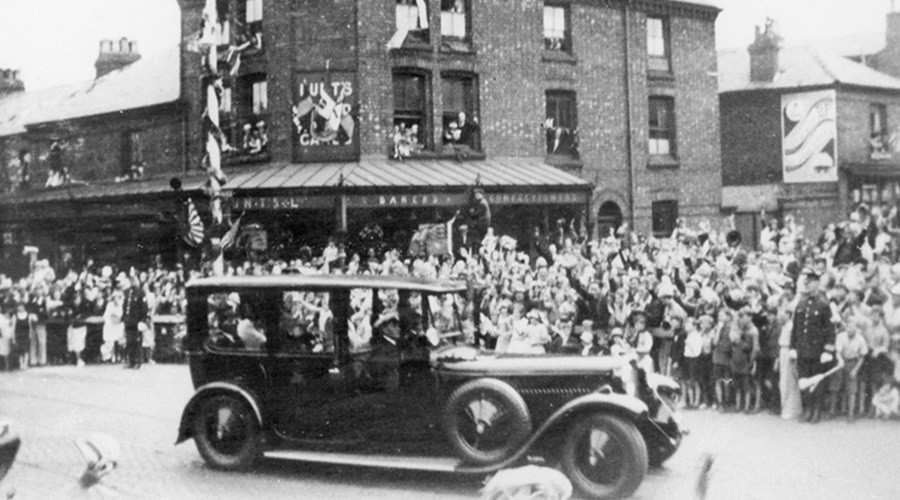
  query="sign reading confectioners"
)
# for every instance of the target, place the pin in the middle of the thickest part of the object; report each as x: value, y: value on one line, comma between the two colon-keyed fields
x: 326, y: 116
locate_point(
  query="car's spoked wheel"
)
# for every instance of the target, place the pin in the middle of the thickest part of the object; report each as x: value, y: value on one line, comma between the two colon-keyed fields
x: 486, y: 420
x: 227, y: 432
x: 484, y: 424
x: 604, y: 457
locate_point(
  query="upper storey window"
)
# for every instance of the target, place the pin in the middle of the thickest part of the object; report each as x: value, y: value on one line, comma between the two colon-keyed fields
x: 454, y: 18
x: 658, y: 44
x: 557, y: 35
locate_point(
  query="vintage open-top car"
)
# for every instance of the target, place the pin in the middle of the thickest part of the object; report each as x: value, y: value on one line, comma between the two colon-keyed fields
x: 382, y: 371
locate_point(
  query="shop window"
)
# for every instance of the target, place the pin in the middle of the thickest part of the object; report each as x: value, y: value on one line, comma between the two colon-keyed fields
x: 658, y: 44
x: 662, y: 127
x: 556, y: 28
x: 460, y: 118
x: 131, y: 157
x: 245, y: 122
x: 561, y: 124
x: 412, y: 22
x: 225, y: 105
x: 410, y: 134
x: 664, y: 216
x: 253, y: 15
x: 879, y: 138
x: 454, y: 15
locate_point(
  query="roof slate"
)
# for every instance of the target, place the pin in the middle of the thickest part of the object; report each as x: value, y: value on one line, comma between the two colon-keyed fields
x: 150, y: 81
x: 801, y: 67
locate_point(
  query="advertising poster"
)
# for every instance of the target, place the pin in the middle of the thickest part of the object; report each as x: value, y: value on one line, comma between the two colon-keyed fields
x: 325, y: 115
x: 809, y: 137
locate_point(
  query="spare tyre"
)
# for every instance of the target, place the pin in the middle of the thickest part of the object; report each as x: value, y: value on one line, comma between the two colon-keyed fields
x: 486, y: 420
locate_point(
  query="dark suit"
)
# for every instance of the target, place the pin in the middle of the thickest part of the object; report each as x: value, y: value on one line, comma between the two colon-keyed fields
x: 812, y: 335
x: 134, y: 311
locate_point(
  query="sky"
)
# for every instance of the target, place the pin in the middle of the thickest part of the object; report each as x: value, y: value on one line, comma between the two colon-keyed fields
x: 54, y: 42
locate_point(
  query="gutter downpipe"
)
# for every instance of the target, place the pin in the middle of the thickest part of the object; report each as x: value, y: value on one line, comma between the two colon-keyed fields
x: 626, y: 11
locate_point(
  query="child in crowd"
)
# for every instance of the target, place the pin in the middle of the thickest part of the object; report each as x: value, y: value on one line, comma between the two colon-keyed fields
x: 704, y: 361
x: 851, y: 347
x: 690, y: 366
x: 745, y: 345
x: 887, y: 400
x: 642, y: 341
x: 721, y: 358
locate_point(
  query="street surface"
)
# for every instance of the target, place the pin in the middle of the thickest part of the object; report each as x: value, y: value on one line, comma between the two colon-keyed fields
x: 755, y: 456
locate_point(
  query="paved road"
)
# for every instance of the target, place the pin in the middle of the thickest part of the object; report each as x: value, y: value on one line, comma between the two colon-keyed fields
x: 758, y: 456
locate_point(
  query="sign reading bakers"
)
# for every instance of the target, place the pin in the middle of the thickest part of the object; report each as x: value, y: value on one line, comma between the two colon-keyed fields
x: 325, y: 116
x: 809, y: 137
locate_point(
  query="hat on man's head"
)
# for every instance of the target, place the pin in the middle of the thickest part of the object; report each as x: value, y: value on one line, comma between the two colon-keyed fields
x: 617, y: 331
x: 810, y: 272
x: 533, y: 314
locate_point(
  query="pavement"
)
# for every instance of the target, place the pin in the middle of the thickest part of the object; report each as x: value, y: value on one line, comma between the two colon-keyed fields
x: 754, y: 456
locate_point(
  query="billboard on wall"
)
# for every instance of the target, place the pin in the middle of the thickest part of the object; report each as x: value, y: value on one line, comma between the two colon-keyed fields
x: 809, y: 137
x: 326, y: 116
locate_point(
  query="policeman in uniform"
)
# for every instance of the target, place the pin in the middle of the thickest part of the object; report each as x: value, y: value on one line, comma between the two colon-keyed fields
x: 134, y: 313
x: 812, y: 341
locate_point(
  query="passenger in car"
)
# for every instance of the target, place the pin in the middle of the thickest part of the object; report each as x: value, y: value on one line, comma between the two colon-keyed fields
x: 248, y: 330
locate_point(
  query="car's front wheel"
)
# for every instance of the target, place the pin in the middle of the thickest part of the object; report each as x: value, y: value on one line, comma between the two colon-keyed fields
x: 227, y: 432
x: 604, y: 456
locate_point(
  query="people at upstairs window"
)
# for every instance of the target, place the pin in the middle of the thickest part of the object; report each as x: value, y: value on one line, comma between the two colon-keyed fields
x: 463, y: 131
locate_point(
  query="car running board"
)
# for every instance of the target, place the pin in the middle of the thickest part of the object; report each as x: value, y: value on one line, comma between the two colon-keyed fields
x: 435, y: 464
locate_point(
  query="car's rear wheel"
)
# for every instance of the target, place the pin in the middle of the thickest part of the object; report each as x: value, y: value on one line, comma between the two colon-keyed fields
x: 486, y: 420
x: 227, y: 432
x: 604, y: 456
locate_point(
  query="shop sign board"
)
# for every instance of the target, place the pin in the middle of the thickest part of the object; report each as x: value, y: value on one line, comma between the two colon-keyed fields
x: 288, y: 202
x: 326, y: 116
x: 809, y: 137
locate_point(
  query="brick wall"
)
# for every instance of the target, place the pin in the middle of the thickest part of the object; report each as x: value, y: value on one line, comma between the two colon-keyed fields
x: 751, y: 138
x: 853, y: 121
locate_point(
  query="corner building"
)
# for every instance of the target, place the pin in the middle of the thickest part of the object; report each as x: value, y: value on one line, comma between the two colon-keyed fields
x: 601, y: 110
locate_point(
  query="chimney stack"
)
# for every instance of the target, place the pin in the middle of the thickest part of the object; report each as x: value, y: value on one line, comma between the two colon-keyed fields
x: 9, y: 82
x: 764, y: 53
x: 115, y: 55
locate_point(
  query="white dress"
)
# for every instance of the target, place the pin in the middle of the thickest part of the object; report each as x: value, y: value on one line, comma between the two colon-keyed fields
x: 113, y: 328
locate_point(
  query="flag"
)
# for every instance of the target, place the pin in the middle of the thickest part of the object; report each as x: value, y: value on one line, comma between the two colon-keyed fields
x: 194, y: 234
x: 231, y: 236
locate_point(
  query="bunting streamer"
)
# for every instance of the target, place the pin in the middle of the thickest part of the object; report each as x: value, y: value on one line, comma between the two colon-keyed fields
x: 195, y: 233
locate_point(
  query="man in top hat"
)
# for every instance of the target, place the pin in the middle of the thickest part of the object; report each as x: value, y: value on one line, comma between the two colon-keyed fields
x: 134, y: 316
x: 812, y: 341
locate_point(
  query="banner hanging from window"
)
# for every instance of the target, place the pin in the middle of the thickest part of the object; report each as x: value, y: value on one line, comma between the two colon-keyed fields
x: 326, y: 116
x: 809, y: 137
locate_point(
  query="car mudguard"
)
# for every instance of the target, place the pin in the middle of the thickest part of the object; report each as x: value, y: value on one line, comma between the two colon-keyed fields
x: 210, y: 389
x: 621, y: 404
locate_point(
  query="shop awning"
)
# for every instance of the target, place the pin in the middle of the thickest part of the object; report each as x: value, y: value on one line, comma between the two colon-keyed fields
x: 881, y: 170
x: 385, y: 173
x: 102, y: 190
x: 409, y: 183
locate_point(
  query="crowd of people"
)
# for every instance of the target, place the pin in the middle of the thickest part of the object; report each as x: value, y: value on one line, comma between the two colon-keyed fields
x: 808, y: 328
x: 44, y: 317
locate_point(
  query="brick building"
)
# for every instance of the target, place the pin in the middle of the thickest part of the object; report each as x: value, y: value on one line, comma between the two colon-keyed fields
x: 602, y: 108
x: 805, y: 132
x: 82, y: 165
x: 349, y: 112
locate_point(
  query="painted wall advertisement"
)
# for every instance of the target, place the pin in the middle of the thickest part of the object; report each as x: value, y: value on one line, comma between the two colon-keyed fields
x: 809, y: 137
x: 326, y: 116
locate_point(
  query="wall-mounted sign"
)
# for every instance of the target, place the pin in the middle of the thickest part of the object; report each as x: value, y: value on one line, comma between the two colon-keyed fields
x: 291, y: 202
x: 325, y: 116
x: 809, y: 137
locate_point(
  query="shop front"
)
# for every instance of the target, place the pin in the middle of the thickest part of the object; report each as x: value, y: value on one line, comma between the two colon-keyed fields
x: 388, y: 201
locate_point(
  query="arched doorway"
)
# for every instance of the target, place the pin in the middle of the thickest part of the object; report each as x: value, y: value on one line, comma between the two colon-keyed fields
x: 609, y: 217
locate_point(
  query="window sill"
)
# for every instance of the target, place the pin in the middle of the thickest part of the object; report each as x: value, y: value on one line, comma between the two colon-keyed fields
x: 663, y: 162
x: 447, y: 153
x: 655, y: 74
x: 558, y: 56
x: 565, y: 162
x: 236, y: 158
x: 455, y: 45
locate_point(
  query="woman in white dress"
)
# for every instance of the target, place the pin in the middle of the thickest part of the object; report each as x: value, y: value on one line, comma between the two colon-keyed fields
x: 787, y: 383
x: 113, y: 328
